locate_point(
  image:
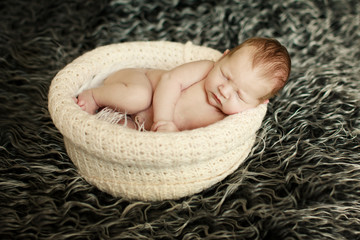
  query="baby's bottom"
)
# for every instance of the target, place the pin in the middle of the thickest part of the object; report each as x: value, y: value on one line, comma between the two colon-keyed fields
x: 128, y: 90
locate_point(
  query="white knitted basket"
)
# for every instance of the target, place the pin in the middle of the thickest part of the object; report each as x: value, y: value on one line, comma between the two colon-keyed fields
x: 146, y: 165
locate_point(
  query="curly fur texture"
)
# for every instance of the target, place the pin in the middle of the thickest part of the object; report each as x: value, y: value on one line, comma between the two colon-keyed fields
x: 301, y: 180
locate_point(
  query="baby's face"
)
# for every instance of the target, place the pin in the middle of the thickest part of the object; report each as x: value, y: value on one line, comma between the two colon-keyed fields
x: 234, y: 86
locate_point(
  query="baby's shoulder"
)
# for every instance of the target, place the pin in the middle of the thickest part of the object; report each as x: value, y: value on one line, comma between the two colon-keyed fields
x: 205, y: 62
x: 201, y: 66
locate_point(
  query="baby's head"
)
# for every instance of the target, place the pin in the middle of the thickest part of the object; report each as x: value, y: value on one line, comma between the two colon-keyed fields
x: 271, y: 59
x: 248, y: 75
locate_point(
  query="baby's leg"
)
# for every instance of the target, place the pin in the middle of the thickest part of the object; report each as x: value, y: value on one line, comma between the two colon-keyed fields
x: 128, y: 90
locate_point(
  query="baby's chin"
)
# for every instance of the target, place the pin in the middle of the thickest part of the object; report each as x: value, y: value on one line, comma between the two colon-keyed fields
x: 232, y: 113
x: 240, y: 111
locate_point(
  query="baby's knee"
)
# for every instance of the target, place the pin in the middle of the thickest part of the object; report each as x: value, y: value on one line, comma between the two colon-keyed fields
x: 142, y: 97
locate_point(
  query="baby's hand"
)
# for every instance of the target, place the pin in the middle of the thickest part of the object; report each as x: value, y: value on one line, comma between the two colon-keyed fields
x: 164, y: 126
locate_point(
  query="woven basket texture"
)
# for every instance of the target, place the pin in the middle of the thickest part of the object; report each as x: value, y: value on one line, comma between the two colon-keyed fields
x: 146, y: 165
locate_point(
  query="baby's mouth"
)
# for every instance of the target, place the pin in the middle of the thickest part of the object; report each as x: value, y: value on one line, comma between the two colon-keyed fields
x: 216, y: 99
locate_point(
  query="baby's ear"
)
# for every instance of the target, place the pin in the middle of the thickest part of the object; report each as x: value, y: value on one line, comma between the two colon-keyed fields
x: 224, y: 54
x: 266, y: 101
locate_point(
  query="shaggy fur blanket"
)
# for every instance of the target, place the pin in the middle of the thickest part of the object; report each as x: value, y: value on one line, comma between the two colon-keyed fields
x: 301, y: 180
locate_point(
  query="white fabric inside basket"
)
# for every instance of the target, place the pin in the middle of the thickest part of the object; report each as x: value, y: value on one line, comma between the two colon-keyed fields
x: 146, y: 165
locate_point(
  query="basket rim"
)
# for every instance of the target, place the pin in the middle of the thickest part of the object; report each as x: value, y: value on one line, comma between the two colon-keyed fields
x: 62, y: 89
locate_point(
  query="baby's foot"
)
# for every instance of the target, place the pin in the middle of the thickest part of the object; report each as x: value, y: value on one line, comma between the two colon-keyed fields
x: 86, y: 102
x: 144, y: 118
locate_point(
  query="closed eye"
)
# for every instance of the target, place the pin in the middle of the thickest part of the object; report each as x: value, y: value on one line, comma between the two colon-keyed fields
x: 222, y: 73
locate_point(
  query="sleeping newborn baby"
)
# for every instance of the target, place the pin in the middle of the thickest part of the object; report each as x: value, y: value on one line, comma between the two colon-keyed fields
x: 198, y: 93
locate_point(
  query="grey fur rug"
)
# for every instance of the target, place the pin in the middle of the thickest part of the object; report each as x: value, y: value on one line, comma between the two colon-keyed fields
x: 302, y: 180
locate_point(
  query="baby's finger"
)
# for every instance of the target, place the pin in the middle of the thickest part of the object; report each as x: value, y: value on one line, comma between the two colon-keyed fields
x: 155, y: 127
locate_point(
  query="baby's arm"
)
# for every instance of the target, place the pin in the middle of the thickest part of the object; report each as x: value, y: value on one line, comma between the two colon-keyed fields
x: 169, y: 88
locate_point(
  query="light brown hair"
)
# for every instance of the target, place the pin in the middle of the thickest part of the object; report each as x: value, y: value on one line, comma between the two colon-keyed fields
x: 272, y: 57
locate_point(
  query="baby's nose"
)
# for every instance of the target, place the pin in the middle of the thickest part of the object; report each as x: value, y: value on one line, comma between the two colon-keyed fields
x: 225, y: 90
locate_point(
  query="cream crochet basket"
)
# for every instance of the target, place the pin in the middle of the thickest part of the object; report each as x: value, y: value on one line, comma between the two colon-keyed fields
x: 146, y: 165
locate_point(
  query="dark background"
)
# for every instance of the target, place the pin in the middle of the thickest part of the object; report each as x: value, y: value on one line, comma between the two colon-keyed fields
x: 301, y: 180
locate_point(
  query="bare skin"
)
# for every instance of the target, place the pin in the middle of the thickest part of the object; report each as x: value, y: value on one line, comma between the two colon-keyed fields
x: 189, y: 96
x: 191, y: 111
